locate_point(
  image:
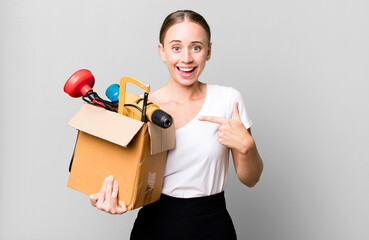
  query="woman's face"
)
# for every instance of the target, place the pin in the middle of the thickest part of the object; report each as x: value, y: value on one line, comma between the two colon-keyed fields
x: 186, y: 49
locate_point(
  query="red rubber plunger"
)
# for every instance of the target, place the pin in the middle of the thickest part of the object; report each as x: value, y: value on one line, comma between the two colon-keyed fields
x: 80, y: 83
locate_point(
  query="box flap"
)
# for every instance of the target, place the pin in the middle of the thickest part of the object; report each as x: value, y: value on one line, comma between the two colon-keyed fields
x: 108, y: 125
x: 162, y: 139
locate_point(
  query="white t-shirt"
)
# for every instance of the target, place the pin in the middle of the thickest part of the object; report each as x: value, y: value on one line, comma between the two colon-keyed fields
x: 198, y: 166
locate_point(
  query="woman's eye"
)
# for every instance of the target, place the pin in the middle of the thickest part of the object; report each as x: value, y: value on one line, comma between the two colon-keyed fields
x: 196, y: 48
x: 176, y: 49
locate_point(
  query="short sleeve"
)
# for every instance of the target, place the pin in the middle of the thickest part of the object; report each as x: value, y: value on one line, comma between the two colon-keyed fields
x: 244, y: 115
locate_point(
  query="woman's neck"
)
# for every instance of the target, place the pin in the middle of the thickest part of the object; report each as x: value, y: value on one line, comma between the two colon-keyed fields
x: 181, y: 93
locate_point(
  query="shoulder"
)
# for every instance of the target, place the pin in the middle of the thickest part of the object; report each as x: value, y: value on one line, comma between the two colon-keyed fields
x: 224, y: 91
x: 158, y: 96
x: 218, y: 89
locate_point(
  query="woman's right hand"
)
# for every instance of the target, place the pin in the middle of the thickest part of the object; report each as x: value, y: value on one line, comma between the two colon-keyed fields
x: 106, y: 199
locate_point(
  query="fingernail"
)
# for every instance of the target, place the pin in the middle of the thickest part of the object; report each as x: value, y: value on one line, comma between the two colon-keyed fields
x: 115, y: 183
x: 111, y: 177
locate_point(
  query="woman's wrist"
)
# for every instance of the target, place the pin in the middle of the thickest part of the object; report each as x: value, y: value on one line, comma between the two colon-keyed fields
x: 246, y: 144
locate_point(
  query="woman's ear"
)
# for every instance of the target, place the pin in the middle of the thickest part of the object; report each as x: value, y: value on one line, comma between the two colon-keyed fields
x: 162, y: 53
x: 209, y: 52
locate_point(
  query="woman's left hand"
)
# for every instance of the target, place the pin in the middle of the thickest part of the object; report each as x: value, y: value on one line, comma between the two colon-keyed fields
x: 232, y: 133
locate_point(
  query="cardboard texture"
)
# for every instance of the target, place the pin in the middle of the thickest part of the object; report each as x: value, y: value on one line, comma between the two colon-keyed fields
x: 133, y: 151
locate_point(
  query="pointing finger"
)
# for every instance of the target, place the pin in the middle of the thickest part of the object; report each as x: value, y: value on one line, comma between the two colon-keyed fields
x: 213, y: 119
x: 236, y: 114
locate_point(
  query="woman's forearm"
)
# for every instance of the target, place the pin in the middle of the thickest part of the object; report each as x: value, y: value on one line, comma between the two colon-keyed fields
x: 248, y: 164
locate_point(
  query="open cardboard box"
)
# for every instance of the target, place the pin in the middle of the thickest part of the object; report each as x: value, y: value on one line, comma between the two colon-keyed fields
x: 133, y: 151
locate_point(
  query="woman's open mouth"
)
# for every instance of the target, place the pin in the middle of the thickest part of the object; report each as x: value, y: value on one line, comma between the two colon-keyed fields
x: 186, y: 71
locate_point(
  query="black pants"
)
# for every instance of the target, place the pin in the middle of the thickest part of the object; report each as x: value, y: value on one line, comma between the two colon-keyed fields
x: 180, y: 218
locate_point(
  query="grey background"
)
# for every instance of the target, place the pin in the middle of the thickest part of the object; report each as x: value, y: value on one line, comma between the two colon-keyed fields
x: 302, y: 67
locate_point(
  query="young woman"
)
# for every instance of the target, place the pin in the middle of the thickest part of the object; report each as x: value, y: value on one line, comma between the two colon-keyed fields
x: 209, y: 120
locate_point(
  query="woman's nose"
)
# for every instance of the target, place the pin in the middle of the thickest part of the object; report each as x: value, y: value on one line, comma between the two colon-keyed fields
x: 187, y: 56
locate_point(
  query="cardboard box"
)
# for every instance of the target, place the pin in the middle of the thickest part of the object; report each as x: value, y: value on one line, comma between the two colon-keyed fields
x: 133, y: 151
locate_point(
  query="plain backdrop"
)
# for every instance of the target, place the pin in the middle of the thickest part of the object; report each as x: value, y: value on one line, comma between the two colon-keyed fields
x: 303, y: 70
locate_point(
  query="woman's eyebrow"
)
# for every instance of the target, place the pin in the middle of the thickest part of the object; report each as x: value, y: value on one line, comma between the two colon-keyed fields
x: 175, y: 41
x: 191, y: 42
x: 197, y: 42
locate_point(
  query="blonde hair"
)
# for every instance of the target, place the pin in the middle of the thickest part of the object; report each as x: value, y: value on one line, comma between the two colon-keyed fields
x: 180, y: 16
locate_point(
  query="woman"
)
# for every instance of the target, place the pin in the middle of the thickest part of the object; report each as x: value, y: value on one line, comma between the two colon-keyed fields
x: 209, y: 120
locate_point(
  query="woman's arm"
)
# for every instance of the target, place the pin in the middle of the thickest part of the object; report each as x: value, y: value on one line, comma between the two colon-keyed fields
x: 247, y: 161
x: 233, y: 134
